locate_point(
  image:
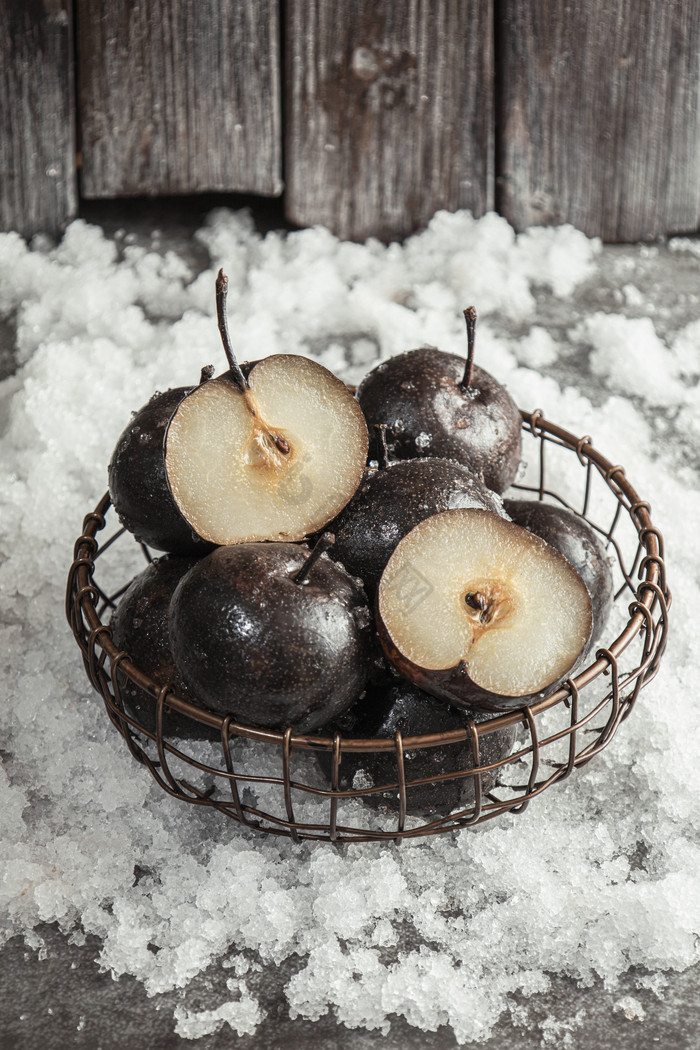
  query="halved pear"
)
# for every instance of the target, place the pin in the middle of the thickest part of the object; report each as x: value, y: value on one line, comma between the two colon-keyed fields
x: 481, y: 612
x: 273, y: 458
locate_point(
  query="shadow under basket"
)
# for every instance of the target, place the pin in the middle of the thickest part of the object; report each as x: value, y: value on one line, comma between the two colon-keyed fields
x: 270, y: 781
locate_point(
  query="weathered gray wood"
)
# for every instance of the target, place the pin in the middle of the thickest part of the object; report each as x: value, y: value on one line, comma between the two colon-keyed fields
x: 179, y: 96
x: 389, y: 113
x: 599, y: 115
x: 38, y: 184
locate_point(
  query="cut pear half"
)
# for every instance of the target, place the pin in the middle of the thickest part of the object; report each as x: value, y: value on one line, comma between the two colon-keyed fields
x: 475, y: 608
x: 275, y: 461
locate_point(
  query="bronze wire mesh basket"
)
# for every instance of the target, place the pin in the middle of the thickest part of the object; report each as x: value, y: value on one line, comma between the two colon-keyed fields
x: 585, y: 730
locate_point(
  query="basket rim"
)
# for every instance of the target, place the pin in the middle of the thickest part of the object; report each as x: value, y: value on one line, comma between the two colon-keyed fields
x: 82, y: 594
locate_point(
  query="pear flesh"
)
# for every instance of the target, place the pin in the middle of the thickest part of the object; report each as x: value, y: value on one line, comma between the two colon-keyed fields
x: 275, y: 461
x: 475, y: 608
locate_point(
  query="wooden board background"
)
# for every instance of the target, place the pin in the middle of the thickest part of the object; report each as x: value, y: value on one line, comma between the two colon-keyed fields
x: 388, y: 114
x: 598, y: 115
x: 550, y: 110
x: 38, y: 183
x: 179, y: 96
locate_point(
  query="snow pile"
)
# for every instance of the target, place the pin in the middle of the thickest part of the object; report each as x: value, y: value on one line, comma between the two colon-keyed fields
x: 597, y: 876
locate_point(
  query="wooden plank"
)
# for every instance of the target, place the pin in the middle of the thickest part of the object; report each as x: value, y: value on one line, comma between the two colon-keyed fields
x: 389, y: 113
x: 179, y: 96
x: 598, y: 114
x: 38, y: 183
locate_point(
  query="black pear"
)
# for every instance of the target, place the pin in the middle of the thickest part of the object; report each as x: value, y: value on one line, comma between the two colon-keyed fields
x: 138, y: 484
x: 392, y: 500
x: 479, y: 611
x: 272, y: 635
x: 140, y: 628
x: 435, y: 406
x: 272, y: 452
x: 404, y: 707
x: 580, y: 544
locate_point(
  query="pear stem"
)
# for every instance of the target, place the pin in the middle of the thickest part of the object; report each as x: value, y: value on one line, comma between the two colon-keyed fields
x: 470, y: 318
x: 383, y: 457
x: 235, y: 373
x: 322, y: 544
x: 221, y: 293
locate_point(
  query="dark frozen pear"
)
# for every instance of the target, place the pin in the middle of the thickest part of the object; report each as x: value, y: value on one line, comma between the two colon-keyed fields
x: 270, y: 453
x: 435, y: 406
x: 260, y: 633
x: 140, y: 628
x: 391, y: 501
x: 138, y: 485
x: 402, y: 706
x: 479, y: 611
x: 578, y: 542
x: 268, y: 450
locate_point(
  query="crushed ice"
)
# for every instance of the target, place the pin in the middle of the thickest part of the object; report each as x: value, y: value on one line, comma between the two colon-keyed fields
x: 597, y: 876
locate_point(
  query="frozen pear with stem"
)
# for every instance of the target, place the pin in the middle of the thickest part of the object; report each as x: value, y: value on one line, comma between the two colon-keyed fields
x: 435, y: 404
x: 272, y: 453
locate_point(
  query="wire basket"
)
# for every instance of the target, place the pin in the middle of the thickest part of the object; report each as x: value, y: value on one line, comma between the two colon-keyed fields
x: 240, y: 765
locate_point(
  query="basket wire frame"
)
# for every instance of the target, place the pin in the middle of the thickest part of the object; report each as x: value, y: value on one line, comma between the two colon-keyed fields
x: 584, y: 730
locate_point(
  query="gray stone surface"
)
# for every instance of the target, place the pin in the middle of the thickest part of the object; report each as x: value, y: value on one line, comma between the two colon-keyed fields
x: 62, y: 1000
